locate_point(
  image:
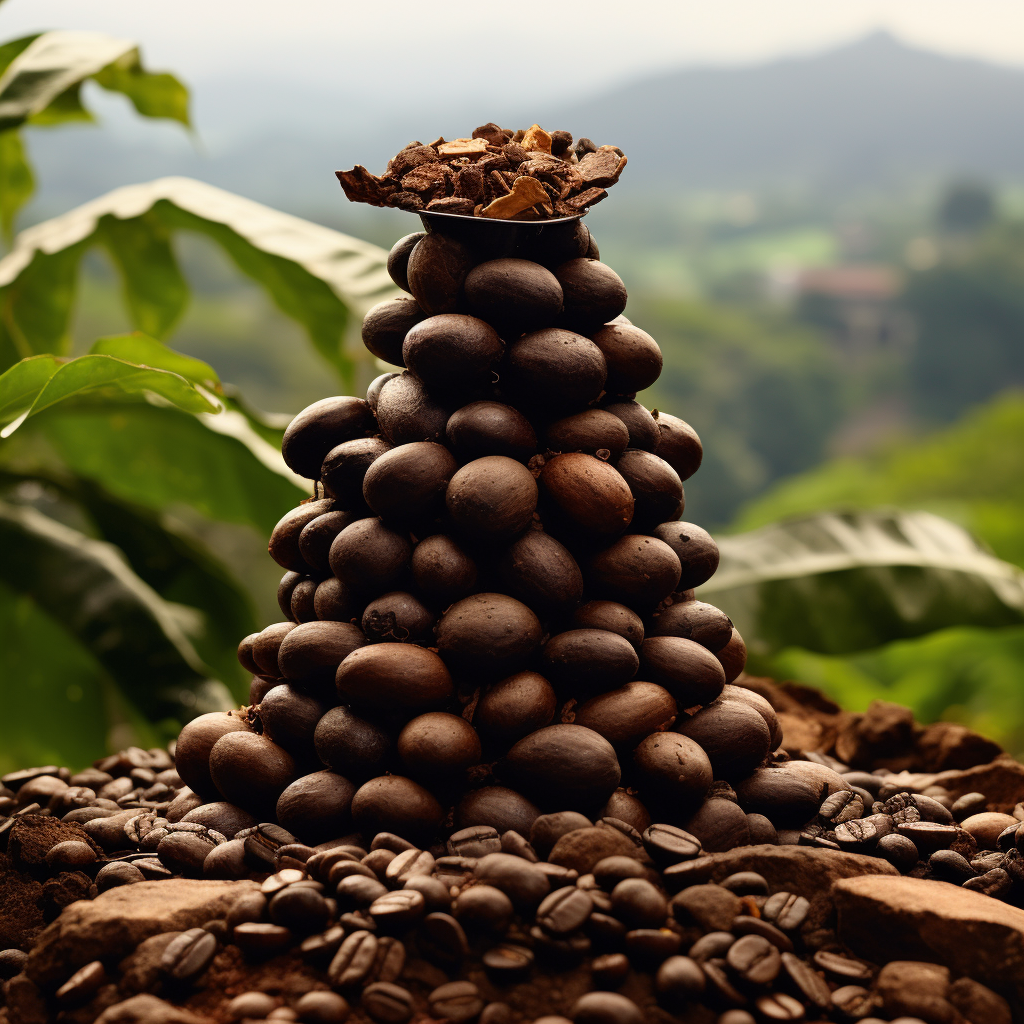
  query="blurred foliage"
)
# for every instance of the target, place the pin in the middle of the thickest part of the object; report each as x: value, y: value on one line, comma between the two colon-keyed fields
x: 41, y: 78
x: 763, y: 393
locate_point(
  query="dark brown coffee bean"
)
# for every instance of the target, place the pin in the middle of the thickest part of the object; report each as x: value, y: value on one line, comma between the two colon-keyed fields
x: 70, y: 856
x: 185, y: 852
x: 319, y: 428
x: 406, y: 413
x: 398, y: 259
x: 302, y: 910
x: 592, y: 293
x: 647, y: 947
x: 442, y: 570
x: 789, y: 794
x: 523, y: 882
x: 311, y: 652
x: 746, y: 883
x: 490, y: 428
x: 809, y: 983
x: 713, y: 945
x: 754, y: 959
x: 443, y: 939
x: 636, y: 570
x: 586, y: 494
x: 515, y: 293
x: 251, y: 1005
x: 396, y: 911
x: 498, y: 806
x: 610, y: 616
x: 606, y: 1008
x: 657, y: 493
x: 644, y: 437
x: 898, y: 850
x: 678, y: 981
x: 398, y: 617
x: 485, y: 908
x: 590, y: 658
x: 564, y: 910
x: 694, y: 620
x: 549, y: 828
x: 355, y: 957
x: 436, y: 269
x: 780, y: 1006
x: 334, y: 602
x: 257, y: 938
x: 609, y: 971
x: 350, y: 745
x: 843, y: 966
x: 250, y: 770
x: 673, y: 766
x: 732, y: 734
x: 695, y: 548
x: 928, y: 836
x: 406, y: 486
x: 438, y: 745
x: 117, y: 873
x: 493, y: 497
x: 386, y: 1003
x: 452, y: 351
x: 458, y: 1001
x: 852, y: 1002
x: 554, y: 368
x: 476, y: 841
x: 719, y: 984
x: 540, y: 572
x: 83, y: 983
x: 196, y: 740
x: 507, y: 962
x: 996, y: 882
x: 188, y: 954
x: 590, y: 431
x: 786, y: 910
x: 691, y: 673
x: 318, y: 534
x: 668, y: 844
x: 394, y: 677
x: 563, y: 765
x: 633, y: 357
x: 322, y: 1007
x: 386, y: 325
x: 515, y: 707
x: 395, y: 804
x: 320, y: 949
x: 639, y: 904
x: 488, y: 633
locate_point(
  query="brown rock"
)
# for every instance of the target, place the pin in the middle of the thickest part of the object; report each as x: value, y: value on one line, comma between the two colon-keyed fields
x: 1002, y: 782
x: 913, y: 989
x: 116, y: 922
x: 146, y: 1009
x: 884, y: 733
x: 885, y: 918
x: 978, y: 1004
x: 946, y: 746
x: 25, y: 1003
x: 584, y: 847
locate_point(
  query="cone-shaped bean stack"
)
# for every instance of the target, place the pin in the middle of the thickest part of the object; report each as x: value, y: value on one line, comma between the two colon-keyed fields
x: 488, y: 607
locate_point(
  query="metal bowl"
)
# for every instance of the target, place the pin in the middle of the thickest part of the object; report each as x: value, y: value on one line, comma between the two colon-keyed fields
x: 494, y: 237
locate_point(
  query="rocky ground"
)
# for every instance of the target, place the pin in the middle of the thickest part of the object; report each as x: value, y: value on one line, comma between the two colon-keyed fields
x: 916, y: 914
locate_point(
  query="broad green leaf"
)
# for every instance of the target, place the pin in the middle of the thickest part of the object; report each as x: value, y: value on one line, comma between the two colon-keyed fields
x: 848, y: 582
x: 152, y: 94
x: 64, y: 108
x: 88, y: 373
x: 52, y: 63
x: 318, y: 276
x: 11, y: 49
x: 161, y: 458
x: 139, y: 348
x: 140, y: 640
x: 154, y: 290
x: 20, y: 385
x: 16, y: 179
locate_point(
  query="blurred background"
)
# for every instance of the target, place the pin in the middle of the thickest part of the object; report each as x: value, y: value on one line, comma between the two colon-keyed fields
x: 821, y: 223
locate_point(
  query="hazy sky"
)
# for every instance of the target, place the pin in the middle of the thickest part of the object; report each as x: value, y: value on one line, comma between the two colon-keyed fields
x: 565, y: 44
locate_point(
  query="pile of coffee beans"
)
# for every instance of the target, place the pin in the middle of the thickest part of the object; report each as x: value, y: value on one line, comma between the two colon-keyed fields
x: 523, y: 175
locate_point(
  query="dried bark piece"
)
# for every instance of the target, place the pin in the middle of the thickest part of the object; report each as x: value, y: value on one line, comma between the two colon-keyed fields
x: 560, y: 143
x: 469, y: 183
x: 428, y: 180
x: 462, y: 147
x: 412, y: 156
x: 591, y: 197
x: 452, y: 204
x: 526, y: 192
x: 361, y: 186
x: 602, y: 168
x: 405, y: 201
x: 583, y: 147
x: 493, y: 162
x: 491, y: 133
x: 514, y: 153
x: 536, y: 140
x: 498, y: 185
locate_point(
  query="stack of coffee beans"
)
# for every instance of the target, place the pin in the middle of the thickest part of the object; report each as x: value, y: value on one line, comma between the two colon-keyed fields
x: 488, y: 602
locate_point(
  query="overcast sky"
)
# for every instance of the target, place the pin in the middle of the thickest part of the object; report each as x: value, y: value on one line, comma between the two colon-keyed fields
x: 531, y: 45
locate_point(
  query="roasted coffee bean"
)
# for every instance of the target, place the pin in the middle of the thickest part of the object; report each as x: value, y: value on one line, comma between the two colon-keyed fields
x: 485, y: 908
x: 284, y: 540
x: 185, y: 852
x: 357, y: 891
x: 713, y: 945
x: 443, y: 939
x: 512, y: 842
x: 626, y: 715
x: 790, y: 793
x: 542, y: 573
x: 842, y: 966
x: 319, y: 428
x: 250, y: 1006
x: 591, y: 431
x: 898, y: 850
x: 950, y: 866
x: 396, y: 911
x: 780, y: 1006
x: 195, y: 742
x: 647, y: 947
x: 488, y: 633
x: 301, y: 909
x: 322, y: 1007
x: 668, y: 844
x: 355, y: 957
x: 996, y: 883
x: 696, y: 550
x: 786, y: 910
x: 258, y: 938
x: 636, y: 569
x: 389, y: 961
x: 438, y: 745
x: 188, y: 954
x: 524, y: 883
x: 585, y: 494
x: 678, y: 981
x: 250, y: 770
x: 842, y: 806
x: 606, y: 1008
x: 754, y: 959
x: 691, y: 673
x: 549, y: 828
x: 809, y: 983
x: 387, y: 1003
x: 852, y: 1002
x: 70, y: 856
x: 395, y: 804
x: 390, y: 677
x: 320, y: 949
x: 452, y: 351
x: 474, y: 842
x: 968, y: 804
x: 82, y: 984
x: 490, y: 428
x: 369, y: 557
x: 436, y: 269
x: 554, y: 368
x: 407, y: 414
x: 458, y: 1001
x: 408, y: 864
x: 609, y: 971
x: 442, y: 570
x: 719, y: 984
x: 515, y: 707
x: 673, y: 766
x: 398, y: 259
x: 564, y: 910
x: 609, y: 871
x: 350, y: 745
x: 506, y: 963
x: 928, y: 836
x: 638, y: 904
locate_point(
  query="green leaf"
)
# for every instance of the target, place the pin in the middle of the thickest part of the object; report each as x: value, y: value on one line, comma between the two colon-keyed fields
x: 51, y: 64
x: 17, y: 182
x: 20, y: 385
x: 140, y: 640
x: 848, y: 582
x: 139, y: 348
x: 318, y: 276
x: 161, y: 459
x: 11, y: 49
x: 75, y: 377
x: 153, y: 95
x: 67, y: 107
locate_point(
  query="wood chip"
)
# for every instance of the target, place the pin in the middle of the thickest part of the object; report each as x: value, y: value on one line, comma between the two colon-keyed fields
x: 591, y: 197
x: 536, y: 139
x: 526, y: 192
x: 463, y: 147
x: 362, y: 187
x: 452, y: 204
x: 602, y: 168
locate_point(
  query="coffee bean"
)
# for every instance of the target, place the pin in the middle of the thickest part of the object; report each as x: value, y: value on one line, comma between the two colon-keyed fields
x: 458, y: 1001
x: 117, y: 873
x: 442, y: 939
x: 754, y: 959
x: 397, y: 910
x: 82, y: 984
x: 612, y: 870
x: 810, y: 984
x: 524, y: 883
x: 968, y: 804
x: 928, y: 836
x: 647, y: 947
x: 668, y: 844
x: 185, y: 852
x: 948, y: 865
x: 678, y: 981
x: 302, y: 910
x: 354, y: 959
x: 258, y: 938
x: 853, y: 1002
x: 736, y: 1017
x: 842, y: 966
x: 322, y: 1007
x: 786, y: 910
x: 357, y: 891
x: 719, y: 984
x: 609, y: 971
x: 746, y: 925
x: 283, y: 1013
x: 711, y: 946
x: 484, y: 907
x: 188, y: 954
x: 251, y: 1006
x: 436, y: 895
x: 476, y: 841
x: 746, y: 883
x: 780, y: 1006
x: 842, y: 806
x: 638, y: 904
x: 408, y: 864
x: 606, y: 1008
x: 508, y: 962
x: 564, y: 910
x: 996, y: 882
x: 898, y: 850
x: 387, y: 1003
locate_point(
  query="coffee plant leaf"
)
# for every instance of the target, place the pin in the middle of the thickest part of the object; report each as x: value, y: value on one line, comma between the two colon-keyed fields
x: 17, y: 182
x: 844, y: 582
x: 140, y: 348
x: 90, y: 373
x: 321, y: 278
x: 142, y: 642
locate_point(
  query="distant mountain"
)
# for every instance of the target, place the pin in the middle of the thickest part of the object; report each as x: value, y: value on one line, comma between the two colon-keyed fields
x: 873, y: 112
